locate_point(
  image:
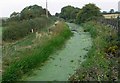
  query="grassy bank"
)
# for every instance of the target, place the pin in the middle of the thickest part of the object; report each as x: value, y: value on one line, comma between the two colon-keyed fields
x: 38, y: 55
x: 102, y: 60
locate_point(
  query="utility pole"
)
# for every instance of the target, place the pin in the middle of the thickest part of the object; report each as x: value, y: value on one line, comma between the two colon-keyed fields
x: 46, y: 9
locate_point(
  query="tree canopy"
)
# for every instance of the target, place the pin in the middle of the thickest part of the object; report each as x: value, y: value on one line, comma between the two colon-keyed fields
x: 32, y: 12
x: 20, y: 24
x: 28, y: 12
x: 69, y: 12
x: 88, y: 12
x: 111, y: 11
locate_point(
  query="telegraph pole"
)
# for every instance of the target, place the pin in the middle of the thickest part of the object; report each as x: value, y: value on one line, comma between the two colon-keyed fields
x: 46, y: 12
x: 46, y: 9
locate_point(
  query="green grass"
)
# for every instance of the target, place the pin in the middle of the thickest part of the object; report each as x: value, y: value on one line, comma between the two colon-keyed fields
x: 26, y: 41
x: 36, y: 57
x: 0, y: 31
x: 97, y: 65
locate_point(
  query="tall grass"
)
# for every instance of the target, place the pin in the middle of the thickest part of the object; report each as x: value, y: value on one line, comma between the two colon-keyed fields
x: 38, y: 55
x: 97, y: 66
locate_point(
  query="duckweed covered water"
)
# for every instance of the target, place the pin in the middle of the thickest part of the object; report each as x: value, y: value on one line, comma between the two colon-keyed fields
x: 64, y: 62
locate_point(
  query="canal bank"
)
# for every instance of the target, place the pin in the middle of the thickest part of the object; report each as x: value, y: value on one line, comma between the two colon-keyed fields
x: 64, y: 62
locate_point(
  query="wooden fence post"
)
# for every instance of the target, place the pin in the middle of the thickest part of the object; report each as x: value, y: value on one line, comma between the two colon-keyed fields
x: 118, y: 19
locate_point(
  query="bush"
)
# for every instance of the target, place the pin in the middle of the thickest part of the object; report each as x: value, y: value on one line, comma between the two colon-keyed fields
x: 97, y: 59
x: 17, y: 30
x: 38, y: 56
x: 88, y: 12
x: 90, y: 28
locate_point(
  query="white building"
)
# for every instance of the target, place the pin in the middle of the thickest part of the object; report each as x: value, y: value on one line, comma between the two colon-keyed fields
x: 119, y: 6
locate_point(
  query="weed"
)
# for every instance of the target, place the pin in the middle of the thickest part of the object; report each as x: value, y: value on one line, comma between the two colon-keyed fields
x: 97, y: 66
x: 38, y: 55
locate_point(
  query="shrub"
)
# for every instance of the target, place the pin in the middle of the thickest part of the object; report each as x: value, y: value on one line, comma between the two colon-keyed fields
x: 38, y: 56
x: 17, y: 30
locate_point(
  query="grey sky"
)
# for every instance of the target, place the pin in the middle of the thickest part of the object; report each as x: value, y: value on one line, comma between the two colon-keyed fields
x: 9, y: 6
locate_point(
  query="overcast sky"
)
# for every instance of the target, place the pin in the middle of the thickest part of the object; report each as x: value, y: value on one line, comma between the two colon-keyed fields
x: 9, y: 6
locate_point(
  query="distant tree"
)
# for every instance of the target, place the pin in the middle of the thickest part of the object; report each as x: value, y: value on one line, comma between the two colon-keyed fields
x: 111, y: 10
x: 117, y: 12
x: 57, y: 14
x: 66, y: 11
x: 88, y: 12
x: 3, y: 22
x: 32, y: 12
x: 45, y: 12
x: 15, y: 16
x: 74, y: 13
x: 69, y: 12
x: 104, y: 12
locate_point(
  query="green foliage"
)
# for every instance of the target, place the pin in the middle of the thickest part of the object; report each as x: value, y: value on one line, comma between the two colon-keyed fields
x: 57, y: 14
x: 111, y: 11
x: 87, y: 13
x: 31, y: 12
x: 91, y: 29
x: 96, y: 58
x: 69, y: 12
x: 38, y: 56
x: 17, y: 30
x: 20, y: 24
x: 15, y: 16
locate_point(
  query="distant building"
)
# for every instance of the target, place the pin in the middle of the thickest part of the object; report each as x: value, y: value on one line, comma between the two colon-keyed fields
x: 119, y: 6
x: 110, y: 16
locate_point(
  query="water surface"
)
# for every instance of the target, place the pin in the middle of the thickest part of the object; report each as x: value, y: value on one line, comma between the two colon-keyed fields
x: 64, y: 62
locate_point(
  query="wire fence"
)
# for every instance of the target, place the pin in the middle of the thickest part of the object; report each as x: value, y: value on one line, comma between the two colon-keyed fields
x: 114, y: 23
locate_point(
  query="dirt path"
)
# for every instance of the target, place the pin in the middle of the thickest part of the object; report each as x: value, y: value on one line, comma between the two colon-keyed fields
x: 64, y: 62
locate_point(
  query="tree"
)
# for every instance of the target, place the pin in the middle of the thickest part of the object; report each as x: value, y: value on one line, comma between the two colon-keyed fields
x: 15, y: 16
x: 57, y: 14
x: 66, y: 11
x: 33, y: 12
x: 74, y: 13
x: 69, y: 13
x: 88, y: 12
x: 104, y: 12
x: 111, y: 11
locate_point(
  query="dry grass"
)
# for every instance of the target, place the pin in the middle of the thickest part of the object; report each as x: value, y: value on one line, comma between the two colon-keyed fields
x: 17, y: 65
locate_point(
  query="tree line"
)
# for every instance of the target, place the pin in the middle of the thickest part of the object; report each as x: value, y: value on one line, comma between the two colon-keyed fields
x: 86, y: 13
x: 28, y: 12
x: 19, y: 25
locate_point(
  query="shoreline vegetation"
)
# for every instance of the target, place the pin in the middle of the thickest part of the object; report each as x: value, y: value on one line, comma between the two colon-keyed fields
x: 38, y: 55
x: 23, y: 50
x: 102, y: 60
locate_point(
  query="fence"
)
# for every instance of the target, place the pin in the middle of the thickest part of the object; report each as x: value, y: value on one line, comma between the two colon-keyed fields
x: 114, y: 23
